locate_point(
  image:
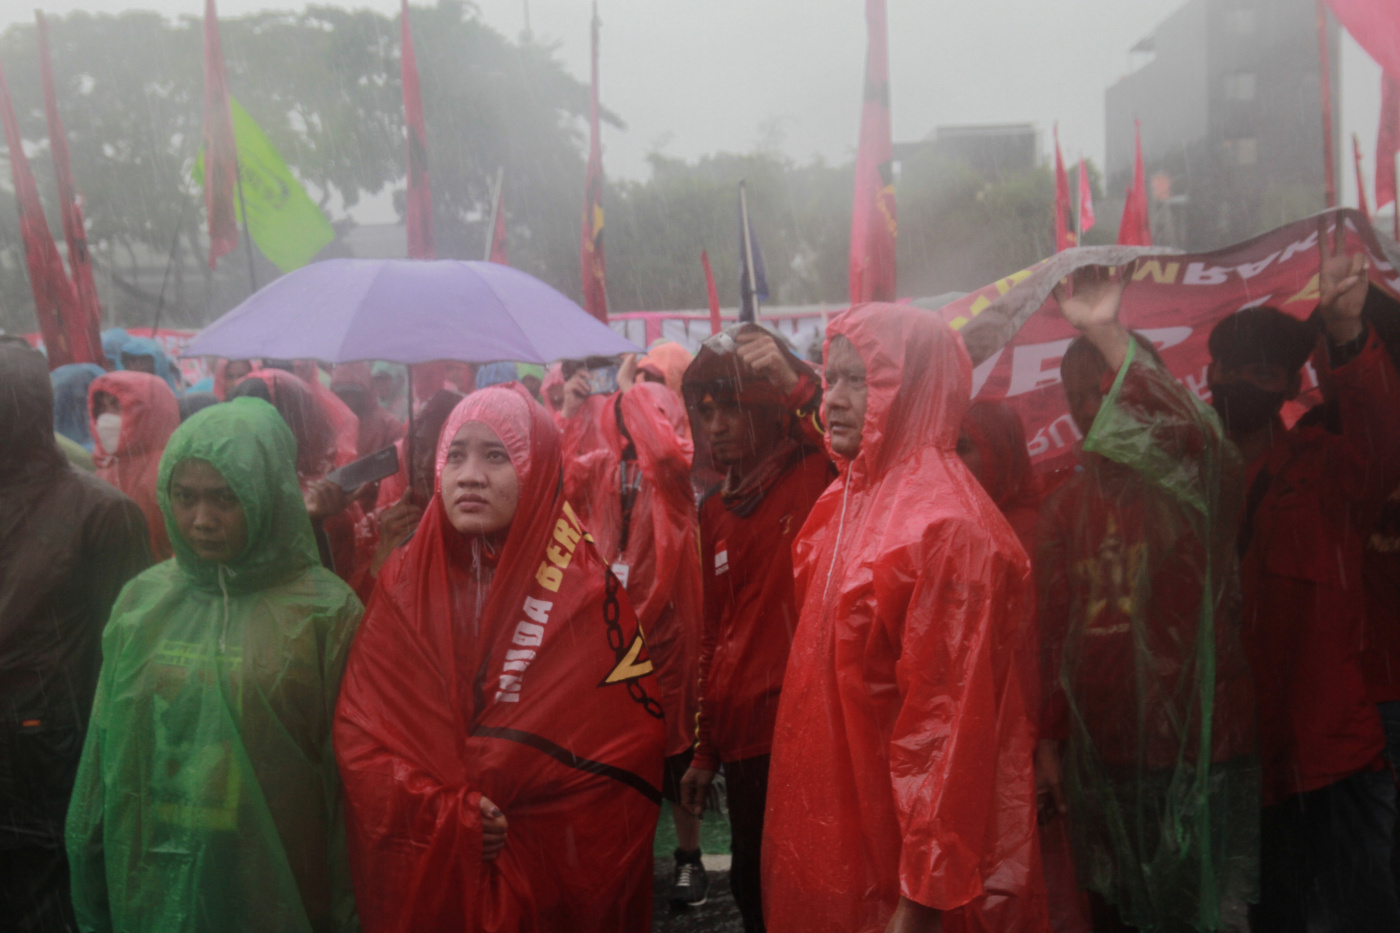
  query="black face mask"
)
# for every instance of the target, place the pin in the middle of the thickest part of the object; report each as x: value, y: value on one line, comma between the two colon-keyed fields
x: 1243, y: 406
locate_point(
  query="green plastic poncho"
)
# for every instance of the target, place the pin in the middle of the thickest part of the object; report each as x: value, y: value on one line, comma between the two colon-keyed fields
x: 208, y: 797
x: 1145, y: 675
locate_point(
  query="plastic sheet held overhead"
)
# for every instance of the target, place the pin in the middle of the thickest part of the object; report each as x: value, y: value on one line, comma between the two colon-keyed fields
x: 208, y: 797
x: 1144, y: 671
x: 902, y: 754
x: 517, y: 674
x: 631, y: 488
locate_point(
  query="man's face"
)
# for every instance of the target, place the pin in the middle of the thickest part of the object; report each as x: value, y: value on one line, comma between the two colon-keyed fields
x: 139, y: 364
x: 208, y: 514
x: 1260, y: 375
x: 739, y: 435
x: 236, y: 370
x: 845, y: 398
x: 1082, y: 380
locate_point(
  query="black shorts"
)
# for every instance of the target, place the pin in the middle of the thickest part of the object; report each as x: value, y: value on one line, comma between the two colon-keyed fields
x: 676, y: 766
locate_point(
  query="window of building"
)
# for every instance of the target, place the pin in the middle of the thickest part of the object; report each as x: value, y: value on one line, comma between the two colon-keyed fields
x: 1240, y: 86
x: 1243, y: 151
x: 1239, y: 22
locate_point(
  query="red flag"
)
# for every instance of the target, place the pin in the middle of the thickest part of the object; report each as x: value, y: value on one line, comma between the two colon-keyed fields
x: 220, y: 151
x: 420, y: 196
x: 1387, y: 146
x: 592, y: 260
x: 1064, y: 236
x: 1135, y: 229
x: 715, y: 324
x: 874, y: 224
x: 497, y: 251
x: 85, y: 338
x: 1375, y: 24
x: 54, y: 302
x: 1324, y: 61
x: 1360, y: 178
x: 1086, y: 202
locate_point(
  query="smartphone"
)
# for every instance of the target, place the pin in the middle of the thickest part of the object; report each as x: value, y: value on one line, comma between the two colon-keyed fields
x: 367, y: 469
x: 602, y: 373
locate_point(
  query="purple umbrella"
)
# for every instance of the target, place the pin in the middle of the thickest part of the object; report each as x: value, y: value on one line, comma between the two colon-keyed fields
x: 408, y: 311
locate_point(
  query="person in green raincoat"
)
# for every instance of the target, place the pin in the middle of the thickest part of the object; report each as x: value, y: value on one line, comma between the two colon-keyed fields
x: 208, y: 797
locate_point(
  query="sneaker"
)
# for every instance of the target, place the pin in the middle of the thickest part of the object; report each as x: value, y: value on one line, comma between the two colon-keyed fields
x: 691, y: 887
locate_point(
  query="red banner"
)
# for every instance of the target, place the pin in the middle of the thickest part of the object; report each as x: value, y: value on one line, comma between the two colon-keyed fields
x: 419, y: 208
x: 85, y: 339
x: 220, y: 150
x: 1135, y: 229
x: 55, y: 305
x: 593, y: 265
x: 874, y: 223
x: 1086, y: 202
x: 498, y: 226
x: 1064, y: 236
x: 712, y: 292
x: 1375, y: 25
x: 1175, y: 299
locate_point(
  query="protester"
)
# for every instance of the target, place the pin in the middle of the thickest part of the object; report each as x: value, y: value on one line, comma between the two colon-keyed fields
x: 552, y: 389
x: 1148, y: 742
x: 499, y: 705
x: 992, y: 444
x: 666, y: 363
x: 191, y: 403
x: 113, y: 338
x: 753, y: 406
x: 627, y: 473
x: 132, y: 416
x: 70, y: 401
x: 353, y: 385
x: 208, y: 795
x: 228, y: 373
x: 1329, y: 802
x: 320, y: 448
x: 901, y: 794
x: 391, y: 388
x: 68, y: 543
x: 144, y: 355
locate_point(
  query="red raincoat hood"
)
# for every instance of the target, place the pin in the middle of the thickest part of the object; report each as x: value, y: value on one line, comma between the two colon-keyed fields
x: 150, y: 415
x: 541, y: 699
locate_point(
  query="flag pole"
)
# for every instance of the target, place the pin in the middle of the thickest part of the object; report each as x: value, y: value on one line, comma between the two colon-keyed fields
x: 748, y: 252
x: 247, y: 232
x: 495, y: 209
x: 169, y: 261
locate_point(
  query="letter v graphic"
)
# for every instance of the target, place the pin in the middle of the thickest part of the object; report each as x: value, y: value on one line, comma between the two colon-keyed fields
x: 632, y: 665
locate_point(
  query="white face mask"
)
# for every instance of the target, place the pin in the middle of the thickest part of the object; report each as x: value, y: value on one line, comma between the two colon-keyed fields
x: 109, y: 431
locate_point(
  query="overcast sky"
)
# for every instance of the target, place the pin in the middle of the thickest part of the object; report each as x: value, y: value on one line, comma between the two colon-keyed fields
x: 691, y: 77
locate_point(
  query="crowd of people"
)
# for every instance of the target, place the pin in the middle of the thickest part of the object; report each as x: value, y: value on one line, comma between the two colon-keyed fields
x: 1159, y: 693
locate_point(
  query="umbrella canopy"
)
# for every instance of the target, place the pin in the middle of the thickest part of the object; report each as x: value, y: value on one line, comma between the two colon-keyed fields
x: 408, y: 311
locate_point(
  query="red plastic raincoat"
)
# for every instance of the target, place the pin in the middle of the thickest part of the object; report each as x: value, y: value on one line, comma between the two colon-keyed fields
x: 524, y: 679
x: 902, y: 754
x: 666, y: 361
x: 652, y: 507
x: 150, y: 415
x: 377, y: 428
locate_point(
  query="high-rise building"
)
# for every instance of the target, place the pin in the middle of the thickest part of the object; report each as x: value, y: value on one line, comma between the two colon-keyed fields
x: 1230, y: 101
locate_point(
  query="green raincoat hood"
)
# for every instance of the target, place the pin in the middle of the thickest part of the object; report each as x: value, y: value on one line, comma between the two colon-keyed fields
x: 252, y: 447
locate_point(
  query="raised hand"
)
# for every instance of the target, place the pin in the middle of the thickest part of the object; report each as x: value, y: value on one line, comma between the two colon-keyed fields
x: 762, y: 356
x: 1091, y: 300
x: 1341, y: 283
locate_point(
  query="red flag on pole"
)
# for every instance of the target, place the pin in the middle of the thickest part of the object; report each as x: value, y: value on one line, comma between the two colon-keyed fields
x: 1387, y: 146
x: 1064, y: 236
x: 1086, y: 202
x: 874, y: 223
x: 715, y: 325
x: 419, y: 210
x: 220, y: 151
x: 85, y: 339
x: 1134, y: 229
x: 1324, y: 64
x: 496, y: 249
x: 1360, y: 178
x: 592, y: 260
x: 54, y: 302
x: 1375, y: 24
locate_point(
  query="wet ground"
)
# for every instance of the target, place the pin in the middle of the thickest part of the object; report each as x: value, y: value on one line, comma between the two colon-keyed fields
x: 717, y: 915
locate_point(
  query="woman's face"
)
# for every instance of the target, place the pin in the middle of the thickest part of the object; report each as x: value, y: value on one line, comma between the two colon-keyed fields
x: 480, y: 489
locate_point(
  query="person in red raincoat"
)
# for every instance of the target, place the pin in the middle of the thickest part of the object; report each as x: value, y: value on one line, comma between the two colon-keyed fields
x: 133, y: 415
x: 992, y: 443
x: 353, y: 384
x: 902, y: 795
x: 499, y: 732
x: 627, y: 470
x: 753, y: 406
